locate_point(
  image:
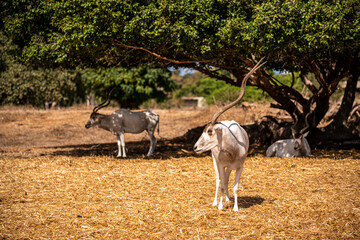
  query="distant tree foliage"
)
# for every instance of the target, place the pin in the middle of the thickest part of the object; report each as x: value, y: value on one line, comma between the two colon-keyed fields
x: 196, y: 84
x: 217, y: 92
x: 21, y: 85
x: 132, y: 86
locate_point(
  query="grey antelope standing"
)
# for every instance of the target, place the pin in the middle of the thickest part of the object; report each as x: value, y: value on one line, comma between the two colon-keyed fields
x: 298, y: 146
x: 125, y: 121
x: 229, y: 144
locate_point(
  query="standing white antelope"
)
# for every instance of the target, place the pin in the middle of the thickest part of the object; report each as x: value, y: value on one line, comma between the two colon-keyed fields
x: 229, y: 144
x: 125, y: 121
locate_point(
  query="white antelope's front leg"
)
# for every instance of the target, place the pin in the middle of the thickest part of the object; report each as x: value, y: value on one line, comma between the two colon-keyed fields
x: 121, y: 145
x: 222, y: 185
x: 216, y: 167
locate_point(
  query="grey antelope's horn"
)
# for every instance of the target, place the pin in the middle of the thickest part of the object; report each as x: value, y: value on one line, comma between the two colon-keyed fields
x: 103, y: 104
x: 242, y: 93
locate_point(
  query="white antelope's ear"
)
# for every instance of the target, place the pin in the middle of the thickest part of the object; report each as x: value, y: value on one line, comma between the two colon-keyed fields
x: 305, y: 134
x: 218, y: 130
x: 219, y: 134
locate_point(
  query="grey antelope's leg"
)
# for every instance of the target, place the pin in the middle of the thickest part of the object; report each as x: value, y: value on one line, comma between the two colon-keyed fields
x: 216, y: 167
x: 236, y: 187
x: 153, y: 141
x: 121, y: 145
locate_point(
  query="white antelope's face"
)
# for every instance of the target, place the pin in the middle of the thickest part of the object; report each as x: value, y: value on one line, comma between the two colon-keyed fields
x: 208, y: 139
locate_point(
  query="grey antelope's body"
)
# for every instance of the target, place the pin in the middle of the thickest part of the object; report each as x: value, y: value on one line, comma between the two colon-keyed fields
x: 229, y: 144
x: 296, y: 147
x: 125, y: 121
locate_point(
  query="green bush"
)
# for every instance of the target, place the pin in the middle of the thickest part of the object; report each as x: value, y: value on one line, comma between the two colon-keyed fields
x: 19, y: 86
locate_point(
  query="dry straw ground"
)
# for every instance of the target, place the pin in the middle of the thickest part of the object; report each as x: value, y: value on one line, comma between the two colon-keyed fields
x: 60, y: 181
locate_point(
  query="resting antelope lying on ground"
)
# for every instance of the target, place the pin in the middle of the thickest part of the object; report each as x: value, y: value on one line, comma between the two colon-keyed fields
x: 124, y: 121
x: 229, y: 144
x: 296, y: 147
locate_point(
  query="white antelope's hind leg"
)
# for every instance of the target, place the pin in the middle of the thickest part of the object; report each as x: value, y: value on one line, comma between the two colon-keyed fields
x: 236, y: 188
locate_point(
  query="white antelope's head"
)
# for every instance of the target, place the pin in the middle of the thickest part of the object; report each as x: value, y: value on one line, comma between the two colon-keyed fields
x: 209, y: 139
x: 212, y: 134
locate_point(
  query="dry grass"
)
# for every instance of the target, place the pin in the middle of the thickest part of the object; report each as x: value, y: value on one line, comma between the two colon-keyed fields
x: 56, y: 183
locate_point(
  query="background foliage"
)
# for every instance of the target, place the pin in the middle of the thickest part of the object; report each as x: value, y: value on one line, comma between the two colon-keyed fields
x: 132, y: 86
x: 20, y: 84
x: 196, y: 84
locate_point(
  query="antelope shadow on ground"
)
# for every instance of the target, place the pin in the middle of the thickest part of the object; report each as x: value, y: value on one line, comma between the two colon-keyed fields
x: 247, y: 201
x: 164, y: 149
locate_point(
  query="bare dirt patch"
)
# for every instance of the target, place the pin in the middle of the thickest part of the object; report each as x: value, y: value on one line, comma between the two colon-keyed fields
x: 61, y: 181
x: 29, y: 132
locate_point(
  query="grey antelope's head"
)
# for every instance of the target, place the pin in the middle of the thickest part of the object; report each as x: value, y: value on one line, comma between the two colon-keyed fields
x: 212, y: 133
x: 95, y: 117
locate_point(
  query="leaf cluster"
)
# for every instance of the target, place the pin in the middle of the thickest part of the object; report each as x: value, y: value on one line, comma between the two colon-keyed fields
x: 289, y: 33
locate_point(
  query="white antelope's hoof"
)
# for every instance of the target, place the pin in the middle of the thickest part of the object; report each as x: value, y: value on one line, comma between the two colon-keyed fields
x: 214, y: 203
x: 220, y: 207
x: 236, y: 209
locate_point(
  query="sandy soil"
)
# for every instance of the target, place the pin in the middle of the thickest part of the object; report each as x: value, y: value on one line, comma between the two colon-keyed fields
x: 61, y: 181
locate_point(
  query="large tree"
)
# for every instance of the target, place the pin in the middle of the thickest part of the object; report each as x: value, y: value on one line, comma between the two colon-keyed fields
x: 215, y: 37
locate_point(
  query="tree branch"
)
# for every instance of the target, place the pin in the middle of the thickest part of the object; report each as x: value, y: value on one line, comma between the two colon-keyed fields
x: 214, y: 74
x: 116, y: 42
x: 308, y: 83
x: 318, y: 74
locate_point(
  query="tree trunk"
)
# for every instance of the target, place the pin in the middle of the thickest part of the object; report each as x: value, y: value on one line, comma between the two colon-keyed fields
x: 348, y: 100
x: 340, y: 129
